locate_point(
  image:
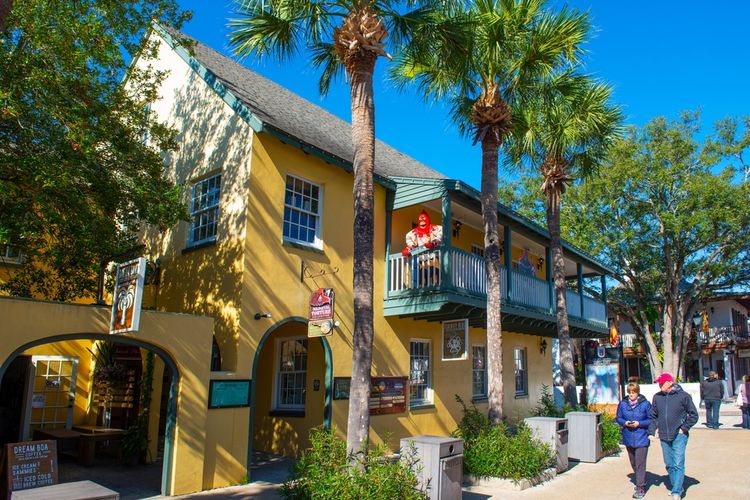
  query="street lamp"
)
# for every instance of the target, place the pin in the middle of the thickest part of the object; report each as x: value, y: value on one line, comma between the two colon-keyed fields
x: 731, y: 349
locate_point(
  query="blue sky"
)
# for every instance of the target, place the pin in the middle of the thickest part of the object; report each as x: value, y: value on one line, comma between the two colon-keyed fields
x: 661, y: 57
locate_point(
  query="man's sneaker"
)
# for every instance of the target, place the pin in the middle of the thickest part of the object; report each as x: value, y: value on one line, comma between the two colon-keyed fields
x: 639, y: 493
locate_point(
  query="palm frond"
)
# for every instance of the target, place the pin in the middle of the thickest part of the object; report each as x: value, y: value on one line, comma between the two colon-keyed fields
x: 325, y: 57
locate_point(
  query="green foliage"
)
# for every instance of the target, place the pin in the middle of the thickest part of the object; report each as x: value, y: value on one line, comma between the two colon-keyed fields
x: 611, y: 434
x: 494, y: 451
x: 546, y: 406
x: 324, y: 472
x: 77, y: 179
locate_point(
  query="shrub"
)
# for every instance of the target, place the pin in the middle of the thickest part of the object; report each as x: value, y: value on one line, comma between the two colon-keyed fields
x: 546, y: 406
x: 495, y: 451
x: 610, y: 433
x: 324, y: 472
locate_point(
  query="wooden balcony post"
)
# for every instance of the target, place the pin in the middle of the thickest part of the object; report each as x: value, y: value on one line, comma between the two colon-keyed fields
x: 445, y: 258
x: 604, y: 293
x: 508, y: 253
x: 579, y: 269
x: 389, y: 198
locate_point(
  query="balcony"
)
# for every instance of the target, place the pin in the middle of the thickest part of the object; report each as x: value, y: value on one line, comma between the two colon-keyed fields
x: 448, y: 283
x: 720, y: 335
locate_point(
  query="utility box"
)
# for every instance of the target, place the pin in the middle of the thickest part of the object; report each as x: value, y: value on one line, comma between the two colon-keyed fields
x: 585, y: 436
x: 554, y: 432
x: 439, y: 464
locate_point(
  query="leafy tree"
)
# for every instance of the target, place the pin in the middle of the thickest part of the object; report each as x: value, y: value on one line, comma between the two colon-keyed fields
x: 341, y: 36
x: 674, y: 227
x: 565, y: 132
x: 509, y: 45
x: 731, y: 142
x: 77, y: 178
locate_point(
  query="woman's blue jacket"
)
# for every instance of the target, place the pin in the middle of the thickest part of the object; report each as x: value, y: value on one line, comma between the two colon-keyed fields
x: 634, y: 437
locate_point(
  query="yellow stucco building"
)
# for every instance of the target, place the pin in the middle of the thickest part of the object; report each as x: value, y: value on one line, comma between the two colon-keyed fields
x: 268, y: 184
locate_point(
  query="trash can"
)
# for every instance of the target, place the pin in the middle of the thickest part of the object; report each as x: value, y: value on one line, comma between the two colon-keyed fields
x: 439, y: 466
x: 584, y: 436
x: 554, y: 432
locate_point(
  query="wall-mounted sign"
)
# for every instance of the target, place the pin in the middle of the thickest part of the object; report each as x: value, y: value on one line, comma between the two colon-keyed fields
x: 229, y: 393
x: 387, y: 395
x: 30, y: 465
x: 37, y: 401
x: 744, y: 353
x: 455, y: 338
x: 126, y: 303
x: 341, y: 387
x: 320, y: 318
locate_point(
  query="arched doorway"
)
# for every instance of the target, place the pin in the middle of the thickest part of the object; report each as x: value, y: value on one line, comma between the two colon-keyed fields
x: 291, y: 389
x: 47, y: 391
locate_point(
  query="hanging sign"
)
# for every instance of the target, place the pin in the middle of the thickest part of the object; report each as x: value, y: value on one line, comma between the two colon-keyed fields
x: 30, y: 464
x: 455, y: 337
x: 320, y: 318
x: 126, y: 304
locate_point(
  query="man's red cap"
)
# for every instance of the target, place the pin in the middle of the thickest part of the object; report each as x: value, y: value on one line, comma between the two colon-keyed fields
x: 664, y: 377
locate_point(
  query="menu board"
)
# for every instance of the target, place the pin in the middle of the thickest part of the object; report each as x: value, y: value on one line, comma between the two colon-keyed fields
x: 387, y: 395
x: 30, y: 465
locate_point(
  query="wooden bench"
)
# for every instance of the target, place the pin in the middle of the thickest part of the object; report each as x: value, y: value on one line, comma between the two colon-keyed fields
x: 79, y: 490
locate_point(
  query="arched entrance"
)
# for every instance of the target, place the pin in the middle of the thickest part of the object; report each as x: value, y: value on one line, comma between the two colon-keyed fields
x: 47, y: 372
x: 291, y: 388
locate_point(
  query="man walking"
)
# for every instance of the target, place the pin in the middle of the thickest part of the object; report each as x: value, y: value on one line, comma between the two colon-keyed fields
x: 712, y: 392
x: 673, y: 414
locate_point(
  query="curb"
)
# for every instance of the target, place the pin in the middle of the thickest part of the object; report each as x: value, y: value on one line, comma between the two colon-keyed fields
x: 508, y: 484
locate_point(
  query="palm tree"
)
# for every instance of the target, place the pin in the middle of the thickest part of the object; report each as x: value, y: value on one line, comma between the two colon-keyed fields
x: 350, y: 36
x: 509, y: 44
x: 565, y: 131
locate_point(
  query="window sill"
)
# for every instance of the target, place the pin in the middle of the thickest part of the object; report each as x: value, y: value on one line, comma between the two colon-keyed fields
x: 522, y: 396
x: 287, y: 413
x: 199, y: 246
x: 301, y: 246
x: 425, y: 406
x: 479, y: 399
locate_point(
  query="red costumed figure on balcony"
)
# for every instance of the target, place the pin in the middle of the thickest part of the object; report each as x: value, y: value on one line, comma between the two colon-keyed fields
x: 424, y: 235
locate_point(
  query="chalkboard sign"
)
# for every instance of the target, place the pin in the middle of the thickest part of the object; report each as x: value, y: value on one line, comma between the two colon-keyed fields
x: 30, y: 465
x: 228, y: 393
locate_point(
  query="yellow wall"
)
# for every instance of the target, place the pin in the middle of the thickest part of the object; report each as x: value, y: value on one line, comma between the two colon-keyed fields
x: 28, y: 321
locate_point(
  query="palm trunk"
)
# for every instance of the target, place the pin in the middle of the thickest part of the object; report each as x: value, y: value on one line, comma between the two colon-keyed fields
x: 558, y: 271
x: 363, y: 136
x: 5, y: 7
x: 490, y: 147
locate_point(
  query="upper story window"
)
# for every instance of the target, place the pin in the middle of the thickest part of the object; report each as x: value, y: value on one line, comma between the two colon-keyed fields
x: 477, y: 250
x: 204, y: 210
x: 10, y: 255
x: 519, y: 361
x: 302, y: 212
x: 420, y: 377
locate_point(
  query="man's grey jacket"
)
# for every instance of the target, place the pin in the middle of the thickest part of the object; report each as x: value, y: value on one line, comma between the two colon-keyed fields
x: 671, y: 412
x: 712, y: 388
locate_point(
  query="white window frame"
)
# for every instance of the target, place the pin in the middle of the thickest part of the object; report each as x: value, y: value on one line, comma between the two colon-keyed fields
x: 477, y: 250
x: 474, y: 394
x: 278, y: 404
x: 196, y: 214
x: 520, y: 357
x: 7, y: 258
x: 317, y: 242
x: 428, y: 392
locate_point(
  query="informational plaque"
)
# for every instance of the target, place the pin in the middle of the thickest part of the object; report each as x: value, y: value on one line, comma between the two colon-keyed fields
x: 387, y: 395
x: 126, y: 303
x: 341, y: 386
x: 30, y: 465
x: 455, y: 338
x: 229, y: 393
x: 320, y: 318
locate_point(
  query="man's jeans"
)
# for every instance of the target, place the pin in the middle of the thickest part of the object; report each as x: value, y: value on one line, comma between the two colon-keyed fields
x: 674, y: 458
x: 746, y: 416
x: 712, y: 412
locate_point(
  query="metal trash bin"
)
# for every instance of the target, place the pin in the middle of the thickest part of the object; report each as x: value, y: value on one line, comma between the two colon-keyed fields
x: 440, y: 466
x: 554, y: 432
x: 584, y: 436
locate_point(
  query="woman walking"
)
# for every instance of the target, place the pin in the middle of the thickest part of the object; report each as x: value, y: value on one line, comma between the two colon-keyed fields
x: 743, y: 401
x: 633, y: 415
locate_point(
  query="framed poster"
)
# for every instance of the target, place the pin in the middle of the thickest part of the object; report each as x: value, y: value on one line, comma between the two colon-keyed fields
x: 602, y: 383
x: 341, y: 387
x: 455, y: 338
x: 387, y: 395
x: 229, y: 393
